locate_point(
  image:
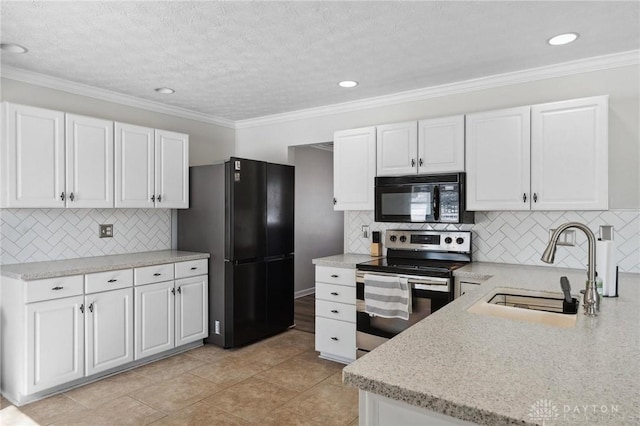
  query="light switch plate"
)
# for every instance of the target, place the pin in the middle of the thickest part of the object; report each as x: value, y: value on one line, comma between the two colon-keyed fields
x: 365, y: 231
x: 105, y: 231
x: 567, y: 238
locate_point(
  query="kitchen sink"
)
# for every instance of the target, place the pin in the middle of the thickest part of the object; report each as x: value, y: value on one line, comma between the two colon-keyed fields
x: 528, y: 305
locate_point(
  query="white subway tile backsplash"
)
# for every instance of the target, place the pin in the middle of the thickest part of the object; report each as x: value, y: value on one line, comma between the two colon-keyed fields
x: 520, y: 237
x: 33, y: 235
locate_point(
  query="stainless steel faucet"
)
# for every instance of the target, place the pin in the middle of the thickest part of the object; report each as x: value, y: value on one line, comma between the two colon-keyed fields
x: 591, y: 297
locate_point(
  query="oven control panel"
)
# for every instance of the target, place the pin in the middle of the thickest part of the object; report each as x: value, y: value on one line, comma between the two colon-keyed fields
x: 451, y: 241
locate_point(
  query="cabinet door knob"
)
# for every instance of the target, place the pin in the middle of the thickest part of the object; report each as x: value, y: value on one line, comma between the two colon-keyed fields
x: 71, y: 196
x: 420, y: 162
x: 524, y: 197
x: 153, y: 198
x: 413, y: 162
x: 157, y: 274
x: 62, y: 196
x: 335, y: 311
x: 57, y: 288
x: 535, y: 197
x: 180, y: 290
x: 91, y: 307
x: 334, y: 201
x: 112, y: 280
x: 173, y: 291
x: 334, y: 293
x: 159, y: 198
x: 334, y: 338
x: 82, y: 308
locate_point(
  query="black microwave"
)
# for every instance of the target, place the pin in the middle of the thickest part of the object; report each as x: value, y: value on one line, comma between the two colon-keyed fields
x: 422, y: 199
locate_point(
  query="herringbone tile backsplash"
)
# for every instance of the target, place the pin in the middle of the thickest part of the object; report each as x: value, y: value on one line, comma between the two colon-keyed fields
x: 520, y: 237
x: 33, y: 235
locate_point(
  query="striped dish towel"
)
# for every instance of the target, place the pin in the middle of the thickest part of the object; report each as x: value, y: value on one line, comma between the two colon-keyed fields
x: 388, y: 297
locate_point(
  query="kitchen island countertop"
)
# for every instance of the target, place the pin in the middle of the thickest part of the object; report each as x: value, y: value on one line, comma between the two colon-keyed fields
x: 492, y: 370
x: 346, y: 260
x: 87, y: 265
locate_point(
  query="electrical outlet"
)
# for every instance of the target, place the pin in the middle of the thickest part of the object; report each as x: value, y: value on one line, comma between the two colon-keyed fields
x: 217, y: 327
x: 365, y: 231
x: 105, y: 231
x: 567, y: 238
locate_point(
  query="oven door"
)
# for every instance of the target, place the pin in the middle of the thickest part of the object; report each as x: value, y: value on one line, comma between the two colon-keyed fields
x: 414, y: 202
x: 372, y: 331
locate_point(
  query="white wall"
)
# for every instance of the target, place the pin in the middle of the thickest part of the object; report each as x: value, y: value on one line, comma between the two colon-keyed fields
x: 318, y: 228
x: 208, y: 143
x: 270, y: 142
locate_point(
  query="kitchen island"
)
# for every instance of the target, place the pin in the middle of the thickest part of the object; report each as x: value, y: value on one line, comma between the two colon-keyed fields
x: 456, y: 366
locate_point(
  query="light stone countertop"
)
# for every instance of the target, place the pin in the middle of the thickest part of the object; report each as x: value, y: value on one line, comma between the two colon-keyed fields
x: 491, y: 370
x: 87, y: 265
x: 347, y: 260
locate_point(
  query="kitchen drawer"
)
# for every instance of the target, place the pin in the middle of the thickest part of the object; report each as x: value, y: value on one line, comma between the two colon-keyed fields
x: 192, y: 268
x: 110, y: 280
x: 336, y: 293
x: 335, y: 310
x: 153, y: 274
x: 336, y: 338
x: 53, y: 288
x: 332, y: 275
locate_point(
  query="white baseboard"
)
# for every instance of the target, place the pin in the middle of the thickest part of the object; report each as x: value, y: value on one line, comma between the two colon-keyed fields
x: 305, y: 292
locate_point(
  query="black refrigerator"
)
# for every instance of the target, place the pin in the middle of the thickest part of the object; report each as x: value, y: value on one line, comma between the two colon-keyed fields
x: 241, y: 212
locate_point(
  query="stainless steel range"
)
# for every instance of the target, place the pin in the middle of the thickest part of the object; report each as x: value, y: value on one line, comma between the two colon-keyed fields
x: 427, y: 260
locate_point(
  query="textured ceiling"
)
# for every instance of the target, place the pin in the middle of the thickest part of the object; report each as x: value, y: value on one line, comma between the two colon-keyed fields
x: 240, y: 60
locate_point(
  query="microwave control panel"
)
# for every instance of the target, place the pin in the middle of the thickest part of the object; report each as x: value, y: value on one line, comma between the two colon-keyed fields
x: 449, y: 203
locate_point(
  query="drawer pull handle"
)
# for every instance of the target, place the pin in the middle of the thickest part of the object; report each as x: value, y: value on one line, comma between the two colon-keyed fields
x: 193, y: 268
x: 180, y: 290
x: 82, y: 308
x: 112, y: 280
x: 334, y: 339
x: 57, y: 288
x: 335, y: 311
x: 91, y: 308
x: 157, y: 274
x: 334, y: 293
x: 334, y: 276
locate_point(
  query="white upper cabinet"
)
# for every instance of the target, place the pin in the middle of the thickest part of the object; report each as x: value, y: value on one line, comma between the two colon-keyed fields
x: 569, y: 155
x: 32, y: 157
x: 397, y: 149
x: 354, y: 168
x: 429, y: 146
x: 134, y: 166
x: 89, y: 165
x: 172, y: 170
x: 550, y: 156
x: 498, y: 159
x: 441, y: 145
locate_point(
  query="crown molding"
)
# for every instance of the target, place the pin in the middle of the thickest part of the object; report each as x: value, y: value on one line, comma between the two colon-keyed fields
x: 541, y: 73
x: 596, y: 63
x: 56, y: 83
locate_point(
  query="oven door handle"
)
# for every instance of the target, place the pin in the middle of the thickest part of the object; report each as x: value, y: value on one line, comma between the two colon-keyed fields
x: 436, y: 202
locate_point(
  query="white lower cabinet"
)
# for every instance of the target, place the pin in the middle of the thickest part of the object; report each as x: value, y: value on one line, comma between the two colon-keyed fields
x: 192, y: 305
x: 60, y: 332
x: 336, y: 313
x: 154, y: 319
x: 55, y: 343
x: 109, y: 330
x: 170, y: 314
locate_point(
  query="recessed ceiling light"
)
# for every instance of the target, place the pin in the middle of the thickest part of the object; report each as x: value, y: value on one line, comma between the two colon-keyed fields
x: 561, y: 39
x: 348, y: 83
x: 13, y: 48
x: 165, y: 90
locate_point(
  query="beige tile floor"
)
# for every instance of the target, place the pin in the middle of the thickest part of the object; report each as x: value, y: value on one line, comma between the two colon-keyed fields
x: 279, y: 381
